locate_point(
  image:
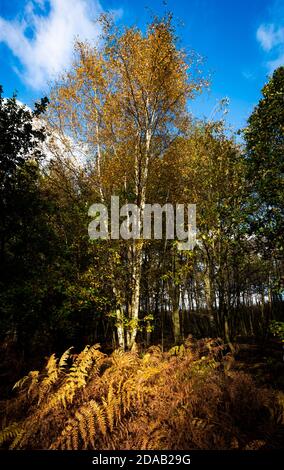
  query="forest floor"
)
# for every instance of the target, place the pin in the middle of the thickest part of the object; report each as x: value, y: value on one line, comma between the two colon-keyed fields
x: 244, y: 408
x: 265, y: 362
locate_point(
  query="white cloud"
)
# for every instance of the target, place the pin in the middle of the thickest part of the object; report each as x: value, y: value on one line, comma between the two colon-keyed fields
x: 269, y: 36
x: 271, y: 39
x: 43, y: 40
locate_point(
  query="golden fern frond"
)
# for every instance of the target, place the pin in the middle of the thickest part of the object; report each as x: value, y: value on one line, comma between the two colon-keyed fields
x: 18, y: 439
x: 153, y: 437
x: 174, y: 351
x: 21, y: 382
x: 82, y: 426
x: 121, y: 359
x: 146, y: 358
x: 140, y: 396
x: 73, y: 443
x: 110, y: 406
x: 51, y: 365
x: 87, y: 415
x: 69, y: 443
x: 201, y: 423
x: 57, y: 443
x: 32, y: 378
x: 65, y: 439
x: 52, y: 372
x: 80, y: 368
x: 129, y: 393
x: 64, y: 359
x: 155, y: 351
x: 87, y: 412
x: 9, y: 432
x: 65, y: 394
x: 77, y: 376
x: 52, y: 375
x: 147, y: 373
x: 100, y: 416
x: 120, y: 384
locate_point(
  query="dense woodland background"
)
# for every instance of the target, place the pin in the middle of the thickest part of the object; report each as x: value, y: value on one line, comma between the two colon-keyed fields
x: 118, y: 124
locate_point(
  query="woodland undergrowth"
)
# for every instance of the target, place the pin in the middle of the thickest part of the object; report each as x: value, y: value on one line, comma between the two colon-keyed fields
x: 187, y: 398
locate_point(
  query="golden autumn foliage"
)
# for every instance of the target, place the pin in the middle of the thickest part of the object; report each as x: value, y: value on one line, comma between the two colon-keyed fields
x: 125, y: 102
x: 131, y: 401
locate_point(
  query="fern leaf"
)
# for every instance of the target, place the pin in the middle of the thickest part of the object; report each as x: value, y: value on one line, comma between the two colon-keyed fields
x: 9, y: 432
x: 64, y: 358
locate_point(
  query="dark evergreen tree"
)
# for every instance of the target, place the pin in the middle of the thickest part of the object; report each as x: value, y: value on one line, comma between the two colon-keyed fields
x: 265, y: 158
x: 23, y: 236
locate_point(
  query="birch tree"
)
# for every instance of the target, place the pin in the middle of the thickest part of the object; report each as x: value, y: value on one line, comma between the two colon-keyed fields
x: 126, y: 103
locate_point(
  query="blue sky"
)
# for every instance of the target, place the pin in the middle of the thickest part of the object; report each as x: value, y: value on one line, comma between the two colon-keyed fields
x: 242, y: 42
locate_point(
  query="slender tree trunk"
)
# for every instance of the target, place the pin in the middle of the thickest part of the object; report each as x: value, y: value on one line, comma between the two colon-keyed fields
x: 136, y: 281
x: 209, y: 291
x: 141, y: 177
x: 176, y: 324
x: 120, y: 329
x: 119, y: 320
